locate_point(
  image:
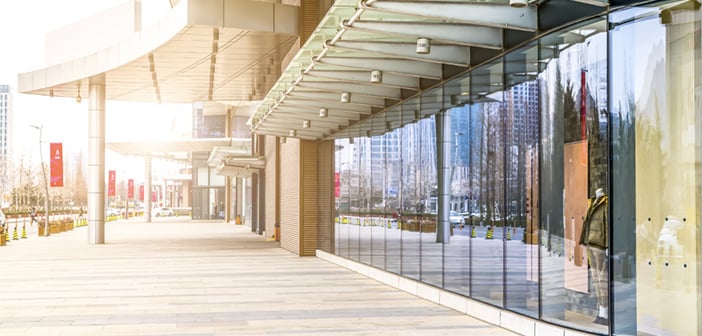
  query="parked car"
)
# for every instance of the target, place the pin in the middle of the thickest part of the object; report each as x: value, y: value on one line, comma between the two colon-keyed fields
x: 162, y: 212
x: 456, y: 219
x: 110, y: 212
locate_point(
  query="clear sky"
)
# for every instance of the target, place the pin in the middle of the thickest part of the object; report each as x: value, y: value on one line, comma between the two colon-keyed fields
x: 23, y: 25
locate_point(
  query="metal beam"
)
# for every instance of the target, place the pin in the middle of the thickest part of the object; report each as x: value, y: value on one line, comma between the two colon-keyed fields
x: 479, y: 13
x: 440, y: 53
x: 370, y: 90
x: 292, y: 101
x: 398, y: 66
x: 330, y: 96
x: 331, y: 113
x: 452, y: 33
x: 360, y: 76
x: 284, y: 120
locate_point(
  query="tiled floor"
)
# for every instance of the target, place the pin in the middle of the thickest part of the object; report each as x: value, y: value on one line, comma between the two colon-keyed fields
x: 178, y: 277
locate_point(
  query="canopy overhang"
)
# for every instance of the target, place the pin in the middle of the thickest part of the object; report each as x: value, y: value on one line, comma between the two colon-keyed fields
x: 218, y: 50
x: 368, y: 59
x: 181, y: 149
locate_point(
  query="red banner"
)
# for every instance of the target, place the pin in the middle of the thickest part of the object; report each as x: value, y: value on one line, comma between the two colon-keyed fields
x: 111, y: 182
x: 337, y: 185
x: 56, y: 165
x: 130, y: 188
x: 141, y: 192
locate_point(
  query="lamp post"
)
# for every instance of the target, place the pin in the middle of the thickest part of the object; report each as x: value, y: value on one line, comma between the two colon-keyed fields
x: 46, y: 183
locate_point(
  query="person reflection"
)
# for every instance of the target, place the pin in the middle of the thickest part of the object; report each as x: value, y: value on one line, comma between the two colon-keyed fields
x: 594, y: 238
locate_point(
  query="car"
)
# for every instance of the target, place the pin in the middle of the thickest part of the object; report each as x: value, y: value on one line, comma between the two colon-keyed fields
x: 162, y: 212
x: 111, y: 212
x: 456, y: 219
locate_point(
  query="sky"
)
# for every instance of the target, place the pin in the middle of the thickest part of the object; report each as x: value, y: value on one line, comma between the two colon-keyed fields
x: 23, y: 25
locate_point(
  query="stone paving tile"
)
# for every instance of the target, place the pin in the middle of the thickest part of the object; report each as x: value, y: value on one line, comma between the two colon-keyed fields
x: 177, y: 277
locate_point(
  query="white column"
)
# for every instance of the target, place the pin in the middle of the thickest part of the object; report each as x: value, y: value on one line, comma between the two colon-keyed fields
x: 96, y: 160
x: 147, y: 188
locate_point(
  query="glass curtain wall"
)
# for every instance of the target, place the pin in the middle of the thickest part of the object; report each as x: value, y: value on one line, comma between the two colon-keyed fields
x: 596, y: 124
x: 656, y: 131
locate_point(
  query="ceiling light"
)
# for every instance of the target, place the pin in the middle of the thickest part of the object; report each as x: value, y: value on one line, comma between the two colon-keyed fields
x: 282, y: 140
x: 423, y: 45
x: 323, y: 112
x: 78, y: 99
x: 518, y: 3
x: 345, y: 97
x: 376, y: 76
x: 305, y: 124
x: 293, y: 133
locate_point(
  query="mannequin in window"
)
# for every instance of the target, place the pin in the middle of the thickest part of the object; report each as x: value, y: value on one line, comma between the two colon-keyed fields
x: 595, y: 237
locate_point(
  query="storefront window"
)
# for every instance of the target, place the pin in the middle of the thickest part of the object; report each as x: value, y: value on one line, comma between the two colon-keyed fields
x: 412, y: 205
x: 393, y: 191
x: 574, y: 177
x: 521, y: 179
x: 656, y: 131
x: 488, y: 160
x: 457, y: 251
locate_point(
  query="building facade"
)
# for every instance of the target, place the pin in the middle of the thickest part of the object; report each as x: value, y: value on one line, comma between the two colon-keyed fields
x: 610, y: 103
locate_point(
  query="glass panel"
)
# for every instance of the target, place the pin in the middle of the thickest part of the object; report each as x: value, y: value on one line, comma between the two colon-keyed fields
x: 393, y: 190
x: 343, y: 163
x: 216, y: 180
x: 574, y: 165
x: 412, y: 207
x: 376, y: 174
x: 656, y: 131
x: 202, y: 176
x: 456, y: 252
x: 487, y: 249
x: 364, y: 192
x: 521, y: 175
x: 354, y: 197
x: 431, y: 251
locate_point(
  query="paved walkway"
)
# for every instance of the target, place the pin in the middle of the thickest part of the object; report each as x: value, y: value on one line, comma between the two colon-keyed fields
x: 177, y: 277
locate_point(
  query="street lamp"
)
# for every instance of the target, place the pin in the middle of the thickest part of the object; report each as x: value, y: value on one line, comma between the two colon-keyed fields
x: 46, y: 183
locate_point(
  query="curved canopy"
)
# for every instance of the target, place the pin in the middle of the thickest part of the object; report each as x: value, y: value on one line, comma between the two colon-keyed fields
x: 222, y: 50
x: 370, y: 57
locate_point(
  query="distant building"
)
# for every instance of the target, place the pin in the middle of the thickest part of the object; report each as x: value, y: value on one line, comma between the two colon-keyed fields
x: 5, y: 120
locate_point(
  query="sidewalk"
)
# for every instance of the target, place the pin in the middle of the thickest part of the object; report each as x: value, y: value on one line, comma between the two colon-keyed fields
x: 177, y: 277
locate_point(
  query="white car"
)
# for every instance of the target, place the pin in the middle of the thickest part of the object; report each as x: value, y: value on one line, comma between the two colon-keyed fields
x: 112, y: 212
x: 162, y: 212
x: 456, y: 219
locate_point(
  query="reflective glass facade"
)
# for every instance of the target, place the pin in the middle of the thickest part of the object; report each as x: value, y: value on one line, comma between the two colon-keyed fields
x: 567, y: 173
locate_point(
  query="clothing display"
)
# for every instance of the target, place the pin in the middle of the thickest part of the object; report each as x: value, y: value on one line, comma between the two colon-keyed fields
x: 595, y: 237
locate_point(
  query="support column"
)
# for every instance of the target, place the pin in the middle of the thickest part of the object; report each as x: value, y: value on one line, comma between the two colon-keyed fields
x: 254, y: 203
x: 240, y: 197
x: 147, y: 188
x: 443, y: 162
x: 227, y: 199
x: 96, y: 160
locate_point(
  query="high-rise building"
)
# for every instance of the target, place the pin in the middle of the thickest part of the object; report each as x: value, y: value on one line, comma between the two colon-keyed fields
x: 5, y: 120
